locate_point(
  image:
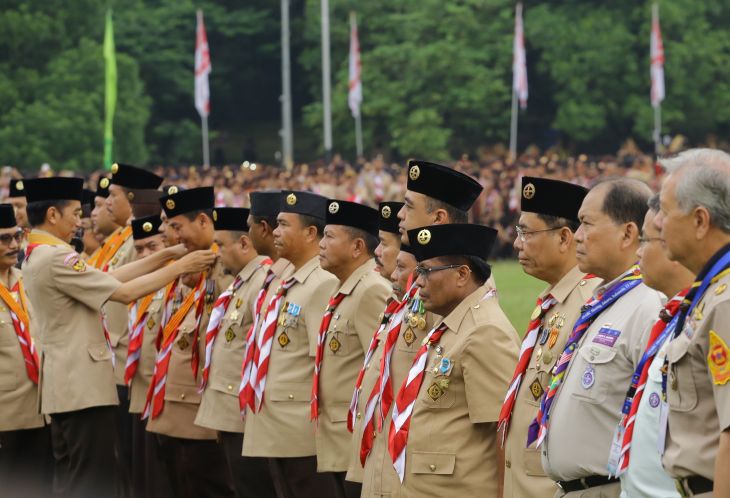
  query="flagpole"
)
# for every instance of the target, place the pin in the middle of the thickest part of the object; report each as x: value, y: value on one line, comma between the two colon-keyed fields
x: 657, y: 129
x: 326, y: 84
x: 513, y: 128
x: 206, y: 151
x: 657, y: 103
x: 286, y: 116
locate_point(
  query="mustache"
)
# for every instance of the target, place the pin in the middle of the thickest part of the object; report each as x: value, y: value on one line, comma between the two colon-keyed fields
x: 378, y: 261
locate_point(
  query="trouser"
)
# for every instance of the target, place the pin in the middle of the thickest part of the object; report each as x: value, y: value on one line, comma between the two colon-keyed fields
x: 123, y: 448
x: 26, y: 463
x: 83, y: 449
x: 196, y: 468
x: 344, y: 488
x: 251, y: 475
x: 157, y: 482
x: 298, y: 478
x: 612, y: 490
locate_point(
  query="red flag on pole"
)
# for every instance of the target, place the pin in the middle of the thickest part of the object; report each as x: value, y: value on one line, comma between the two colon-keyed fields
x: 202, y: 69
x: 354, y: 97
x: 657, y: 59
x: 519, y: 60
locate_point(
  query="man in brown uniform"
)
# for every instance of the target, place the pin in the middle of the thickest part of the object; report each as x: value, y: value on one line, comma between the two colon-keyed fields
x: 77, y: 385
x: 16, y: 198
x: 546, y: 250
x: 279, y: 426
x: 695, y: 225
x: 436, y: 195
x: 389, y: 238
x: 194, y: 461
x: 345, y: 334
x: 586, y: 395
x: 442, y: 438
x: 26, y: 461
x: 225, y: 338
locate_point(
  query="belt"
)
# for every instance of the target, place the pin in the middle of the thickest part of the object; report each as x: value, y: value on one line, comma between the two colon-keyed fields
x: 585, y: 483
x: 693, y: 485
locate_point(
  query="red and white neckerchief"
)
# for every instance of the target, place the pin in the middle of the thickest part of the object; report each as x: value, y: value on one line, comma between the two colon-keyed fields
x: 156, y: 394
x: 384, y: 385
x: 21, y: 323
x: 323, y: 326
x: 374, y: 342
x: 138, y: 318
x: 250, y: 358
x: 214, y: 325
x: 528, y: 345
x: 264, y: 342
x: 107, y: 338
x: 405, y: 401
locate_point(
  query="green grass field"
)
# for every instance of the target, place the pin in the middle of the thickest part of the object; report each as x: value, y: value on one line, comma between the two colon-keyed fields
x: 517, y: 292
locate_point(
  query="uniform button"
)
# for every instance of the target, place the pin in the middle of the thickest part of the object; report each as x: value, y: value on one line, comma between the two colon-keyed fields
x: 582, y: 283
x: 182, y: 396
x: 508, y: 464
x: 230, y: 387
x: 291, y: 396
x: 432, y: 467
x: 476, y: 307
x: 359, y: 415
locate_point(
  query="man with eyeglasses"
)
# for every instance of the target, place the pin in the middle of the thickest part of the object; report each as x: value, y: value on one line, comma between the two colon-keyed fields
x: 436, y: 195
x: 26, y: 461
x: 639, y: 463
x: 576, y: 423
x: 442, y: 439
x: 545, y: 245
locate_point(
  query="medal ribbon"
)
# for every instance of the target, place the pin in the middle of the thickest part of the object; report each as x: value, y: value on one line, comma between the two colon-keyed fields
x: 405, y: 401
x: 351, y: 414
x: 250, y: 359
x: 662, y: 329
x: 110, y: 247
x: 528, y: 346
x: 319, y: 355
x: 21, y: 324
x: 590, y: 311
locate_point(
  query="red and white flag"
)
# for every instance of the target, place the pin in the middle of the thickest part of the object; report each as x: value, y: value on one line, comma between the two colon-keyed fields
x: 354, y: 97
x: 202, y: 69
x: 519, y: 60
x: 657, y: 59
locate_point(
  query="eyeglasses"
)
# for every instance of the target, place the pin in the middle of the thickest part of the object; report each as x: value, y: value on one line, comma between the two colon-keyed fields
x: 7, y: 238
x: 647, y: 240
x: 525, y: 234
x: 422, y: 271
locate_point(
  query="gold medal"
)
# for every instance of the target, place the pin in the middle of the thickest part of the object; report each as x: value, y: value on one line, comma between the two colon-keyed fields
x: 538, y: 355
x: 409, y: 336
x: 283, y: 339
x: 720, y: 289
x: 150, y: 323
x: 443, y: 384
x: 335, y: 345
x: 536, y: 313
x: 413, y: 322
x: 547, y: 357
x: 551, y: 322
x: 421, y: 323
x: 239, y: 302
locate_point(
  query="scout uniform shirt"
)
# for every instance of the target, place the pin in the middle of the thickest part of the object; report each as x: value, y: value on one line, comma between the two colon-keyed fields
x: 140, y: 383
x: 452, y: 443
x: 698, y: 392
x: 18, y: 393
x: 523, y: 473
x: 587, y: 407
x: 67, y: 296
x: 282, y: 427
x: 348, y: 338
x: 117, y: 314
x: 219, y: 408
x: 370, y: 377
x: 181, y: 389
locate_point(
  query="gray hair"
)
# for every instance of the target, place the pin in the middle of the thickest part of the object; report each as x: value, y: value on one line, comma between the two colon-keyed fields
x: 704, y: 181
x: 654, y: 203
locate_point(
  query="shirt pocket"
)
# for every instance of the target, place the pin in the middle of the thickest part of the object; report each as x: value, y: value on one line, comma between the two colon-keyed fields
x: 681, y: 385
x: 533, y: 462
x: 9, y: 377
x: 7, y: 330
x: 100, y: 351
x: 428, y: 462
x: 289, y: 392
x: 594, y: 368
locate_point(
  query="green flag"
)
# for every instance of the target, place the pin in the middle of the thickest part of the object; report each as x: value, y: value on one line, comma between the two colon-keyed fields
x: 110, y: 100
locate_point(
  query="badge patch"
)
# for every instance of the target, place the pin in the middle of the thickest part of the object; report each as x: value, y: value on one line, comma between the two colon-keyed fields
x: 536, y: 389
x: 589, y: 377
x: 230, y: 334
x: 435, y: 391
x: 607, y: 336
x: 283, y: 339
x: 654, y: 400
x: 183, y: 343
x: 445, y: 366
x: 717, y: 359
x: 150, y: 323
x: 335, y: 345
x: 409, y: 336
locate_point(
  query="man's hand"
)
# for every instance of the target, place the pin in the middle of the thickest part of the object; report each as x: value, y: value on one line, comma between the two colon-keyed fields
x: 177, y: 251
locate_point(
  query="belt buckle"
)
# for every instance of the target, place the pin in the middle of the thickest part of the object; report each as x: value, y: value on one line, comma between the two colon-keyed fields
x: 679, y: 484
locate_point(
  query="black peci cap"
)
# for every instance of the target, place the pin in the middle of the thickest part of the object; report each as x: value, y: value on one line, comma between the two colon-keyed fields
x: 17, y: 188
x: 145, y: 227
x: 406, y: 248
x: 353, y: 215
x: 552, y: 197
x: 132, y: 177
x: 266, y: 203
x: 452, y: 240
x: 443, y: 183
x: 389, y: 216
x: 102, y: 187
x: 231, y: 219
x: 306, y: 203
x: 7, y: 216
x: 185, y: 201
x: 55, y: 188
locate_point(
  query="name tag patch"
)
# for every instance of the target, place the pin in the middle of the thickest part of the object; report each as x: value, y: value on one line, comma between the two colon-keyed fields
x: 607, y: 336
